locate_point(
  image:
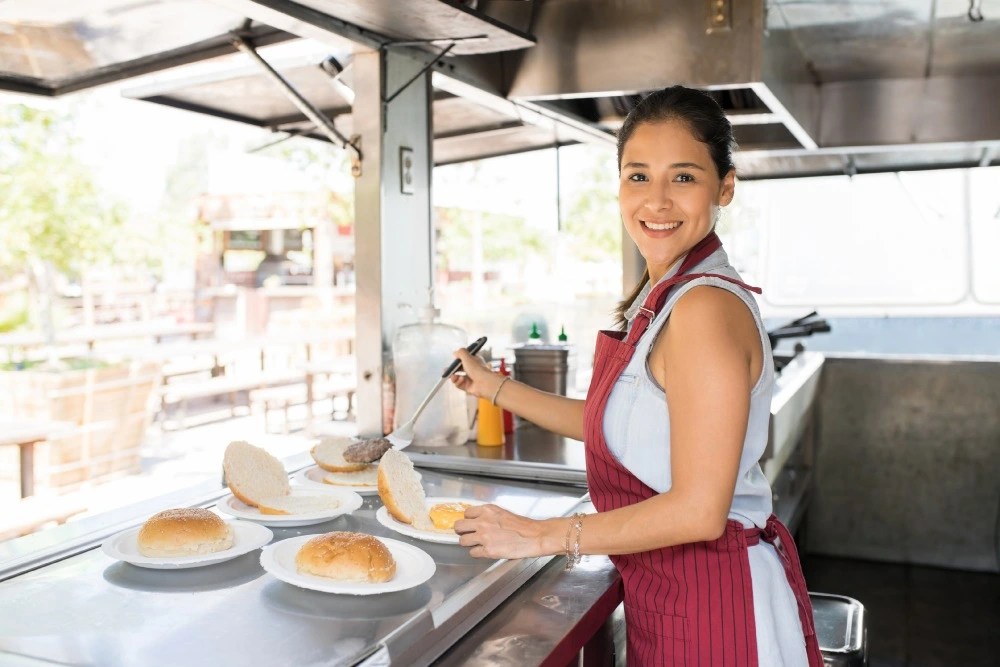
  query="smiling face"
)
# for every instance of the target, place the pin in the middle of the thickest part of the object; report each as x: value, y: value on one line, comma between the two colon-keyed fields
x: 668, y: 192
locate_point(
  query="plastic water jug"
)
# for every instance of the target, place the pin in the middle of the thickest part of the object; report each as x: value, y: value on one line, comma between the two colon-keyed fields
x: 421, y: 351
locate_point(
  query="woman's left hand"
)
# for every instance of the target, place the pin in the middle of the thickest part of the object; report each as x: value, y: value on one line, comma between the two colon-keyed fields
x: 493, y: 532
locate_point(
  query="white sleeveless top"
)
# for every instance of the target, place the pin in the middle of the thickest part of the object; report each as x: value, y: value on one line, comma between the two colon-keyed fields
x: 637, y: 432
x: 637, y: 424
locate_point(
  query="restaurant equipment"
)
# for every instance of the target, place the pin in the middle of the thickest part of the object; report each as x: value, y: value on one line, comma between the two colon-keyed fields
x: 402, y: 436
x: 544, y: 367
x: 841, y: 628
x: 419, y: 351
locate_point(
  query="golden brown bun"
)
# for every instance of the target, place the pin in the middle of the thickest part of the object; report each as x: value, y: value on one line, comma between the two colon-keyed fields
x: 346, y: 556
x: 400, y: 490
x: 444, y: 515
x: 366, y: 477
x: 329, y: 455
x: 252, y: 473
x: 184, y: 532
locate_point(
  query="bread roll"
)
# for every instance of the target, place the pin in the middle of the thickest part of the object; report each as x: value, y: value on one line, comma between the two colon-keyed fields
x: 366, y: 477
x: 444, y: 515
x: 297, y: 504
x: 346, y: 556
x: 252, y: 473
x: 400, y: 490
x: 184, y: 532
x: 329, y: 455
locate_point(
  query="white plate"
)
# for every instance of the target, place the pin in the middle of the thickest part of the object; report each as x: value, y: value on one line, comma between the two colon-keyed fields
x: 313, y: 477
x: 349, y: 501
x: 246, y: 538
x: 438, y: 536
x: 413, y: 567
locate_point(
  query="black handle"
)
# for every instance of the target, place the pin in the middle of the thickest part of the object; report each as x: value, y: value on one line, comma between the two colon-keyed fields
x: 455, y: 365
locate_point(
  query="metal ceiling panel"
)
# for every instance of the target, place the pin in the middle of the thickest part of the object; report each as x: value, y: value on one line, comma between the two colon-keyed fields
x: 51, y: 47
x: 961, y: 47
x: 249, y: 96
x: 753, y: 166
x: 850, y: 40
x: 376, y: 22
x: 456, y: 115
x: 594, y: 47
x: 235, y: 90
x: 792, y: 163
x: 492, y: 143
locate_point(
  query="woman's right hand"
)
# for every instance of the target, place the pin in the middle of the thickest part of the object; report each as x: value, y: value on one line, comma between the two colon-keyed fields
x: 475, y: 378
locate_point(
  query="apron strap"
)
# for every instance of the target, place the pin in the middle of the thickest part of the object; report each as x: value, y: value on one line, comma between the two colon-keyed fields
x: 658, y: 296
x: 775, y: 534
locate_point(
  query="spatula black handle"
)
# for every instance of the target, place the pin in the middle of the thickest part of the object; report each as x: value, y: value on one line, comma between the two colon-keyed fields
x: 455, y: 365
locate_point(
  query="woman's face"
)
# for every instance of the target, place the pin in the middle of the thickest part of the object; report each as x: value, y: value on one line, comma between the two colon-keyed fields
x: 668, y: 192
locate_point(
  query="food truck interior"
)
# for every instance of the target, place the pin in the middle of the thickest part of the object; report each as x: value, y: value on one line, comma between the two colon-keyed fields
x: 886, y: 467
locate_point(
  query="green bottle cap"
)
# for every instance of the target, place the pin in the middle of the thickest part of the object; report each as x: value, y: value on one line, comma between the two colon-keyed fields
x: 534, y: 332
x: 562, y: 335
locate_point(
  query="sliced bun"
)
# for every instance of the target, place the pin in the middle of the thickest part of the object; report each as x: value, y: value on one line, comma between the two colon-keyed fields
x: 252, y: 473
x: 444, y: 515
x: 400, y: 489
x: 366, y: 477
x: 346, y: 556
x: 184, y: 532
x: 329, y: 455
x: 297, y: 504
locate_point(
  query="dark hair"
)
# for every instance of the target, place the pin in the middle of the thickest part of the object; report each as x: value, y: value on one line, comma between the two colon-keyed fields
x: 707, y: 122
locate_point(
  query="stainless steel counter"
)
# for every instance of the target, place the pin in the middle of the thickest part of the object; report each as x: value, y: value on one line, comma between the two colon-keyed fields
x: 533, y: 453
x: 89, y: 609
x: 530, y: 453
x: 547, y: 621
x: 62, y: 600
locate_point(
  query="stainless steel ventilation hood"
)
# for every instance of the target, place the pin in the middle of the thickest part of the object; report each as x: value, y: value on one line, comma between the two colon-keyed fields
x: 812, y: 86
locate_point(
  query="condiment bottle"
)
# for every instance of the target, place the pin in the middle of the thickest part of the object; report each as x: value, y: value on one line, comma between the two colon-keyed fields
x: 535, y: 337
x: 508, y: 416
x: 490, y: 424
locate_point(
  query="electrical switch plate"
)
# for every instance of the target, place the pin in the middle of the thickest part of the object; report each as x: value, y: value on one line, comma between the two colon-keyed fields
x: 406, y: 170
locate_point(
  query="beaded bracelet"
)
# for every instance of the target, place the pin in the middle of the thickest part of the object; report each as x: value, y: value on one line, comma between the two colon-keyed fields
x: 493, y: 401
x: 573, y: 551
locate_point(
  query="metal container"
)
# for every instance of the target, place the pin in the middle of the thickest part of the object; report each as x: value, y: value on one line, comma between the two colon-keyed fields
x: 841, y: 628
x: 544, y: 367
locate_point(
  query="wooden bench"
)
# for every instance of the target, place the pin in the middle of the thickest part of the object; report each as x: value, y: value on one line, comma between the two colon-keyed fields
x: 181, y: 392
x: 283, y: 397
x: 29, y: 514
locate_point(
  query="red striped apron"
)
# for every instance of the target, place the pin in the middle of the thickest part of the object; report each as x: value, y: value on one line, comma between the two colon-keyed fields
x: 691, y: 604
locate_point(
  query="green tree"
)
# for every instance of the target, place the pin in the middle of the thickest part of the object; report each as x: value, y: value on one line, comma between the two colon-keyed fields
x: 53, y: 216
x: 591, y: 222
x: 51, y: 211
x: 327, y: 164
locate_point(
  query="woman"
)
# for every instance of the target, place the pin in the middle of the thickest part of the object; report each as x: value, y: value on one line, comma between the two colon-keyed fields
x: 674, y: 423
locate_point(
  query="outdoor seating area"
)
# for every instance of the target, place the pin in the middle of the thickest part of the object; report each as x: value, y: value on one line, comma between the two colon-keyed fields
x: 78, y: 411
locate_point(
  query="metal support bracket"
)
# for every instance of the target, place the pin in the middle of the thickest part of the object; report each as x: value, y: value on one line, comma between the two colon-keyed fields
x: 423, y: 69
x: 322, y: 122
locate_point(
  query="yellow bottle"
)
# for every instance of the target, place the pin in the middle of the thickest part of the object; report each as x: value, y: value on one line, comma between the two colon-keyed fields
x: 490, y: 424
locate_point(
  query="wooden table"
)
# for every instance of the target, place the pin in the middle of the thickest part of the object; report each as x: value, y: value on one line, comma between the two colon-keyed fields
x: 344, y: 367
x: 105, y: 332
x: 25, y: 434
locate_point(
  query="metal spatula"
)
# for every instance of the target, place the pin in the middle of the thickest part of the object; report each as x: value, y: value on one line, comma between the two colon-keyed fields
x: 402, y: 436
